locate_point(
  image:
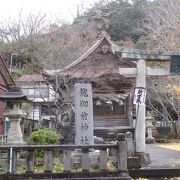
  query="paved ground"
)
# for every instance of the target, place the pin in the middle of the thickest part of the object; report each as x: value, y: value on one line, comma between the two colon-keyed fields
x: 162, y: 157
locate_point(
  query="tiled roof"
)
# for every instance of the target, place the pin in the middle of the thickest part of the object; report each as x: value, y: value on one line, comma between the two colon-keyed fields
x: 65, y: 71
x: 30, y: 78
x: 102, y: 36
x: 94, y: 64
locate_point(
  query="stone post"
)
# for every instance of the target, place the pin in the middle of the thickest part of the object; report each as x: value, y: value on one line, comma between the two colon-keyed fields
x: 122, y: 154
x: 130, y: 144
x: 112, y: 140
x: 48, y: 161
x: 111, y: 137
x: 140, y: 109
x: 30, y: 161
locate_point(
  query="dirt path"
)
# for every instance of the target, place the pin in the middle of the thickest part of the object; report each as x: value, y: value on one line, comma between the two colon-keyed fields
x: 163, y: 157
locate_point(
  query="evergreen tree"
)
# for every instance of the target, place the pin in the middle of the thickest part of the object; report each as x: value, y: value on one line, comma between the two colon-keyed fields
x: 120, y: 18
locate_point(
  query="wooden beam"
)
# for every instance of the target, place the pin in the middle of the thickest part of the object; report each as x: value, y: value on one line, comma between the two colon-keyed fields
x: 136, y: 54
x: 128, y: 71
x: 157, y: 72
x: 132, y: 72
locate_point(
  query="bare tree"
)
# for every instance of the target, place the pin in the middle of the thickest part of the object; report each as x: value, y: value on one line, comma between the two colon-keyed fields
x: 163, y: 24
x: 59, y: 46
x: 63, y: 106
x: 14, y: 30
x: 164, y: 99
x: 53, y: 45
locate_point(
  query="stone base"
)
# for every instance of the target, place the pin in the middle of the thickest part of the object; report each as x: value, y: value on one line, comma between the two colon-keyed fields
x: 150, y: 140
x: 16, y: 143
x: 15, y: 139
x: 14, y: 135
x: 122, y: 176
x: 134, y: 163
x: 144, y: 158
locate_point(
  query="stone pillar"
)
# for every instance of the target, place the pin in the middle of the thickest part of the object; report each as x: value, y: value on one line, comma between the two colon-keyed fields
x: 141, y: 109
x: 83, y: 114
x: 15, y: 115
x: 122, y: 155
x: 150, y: 139
x: 129, y: 143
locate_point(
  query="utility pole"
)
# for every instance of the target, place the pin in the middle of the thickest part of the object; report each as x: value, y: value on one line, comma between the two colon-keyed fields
x: 11, y: 61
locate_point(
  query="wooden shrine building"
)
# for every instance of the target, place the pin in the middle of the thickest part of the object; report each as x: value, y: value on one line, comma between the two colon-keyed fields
x: 112, y: 100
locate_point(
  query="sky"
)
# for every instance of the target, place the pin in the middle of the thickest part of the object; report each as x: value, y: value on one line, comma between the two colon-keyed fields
x: 65, y: 8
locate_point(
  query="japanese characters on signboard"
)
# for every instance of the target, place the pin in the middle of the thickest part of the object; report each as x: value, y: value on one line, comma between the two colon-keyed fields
x: 139, y: 96
x: 84, y: 114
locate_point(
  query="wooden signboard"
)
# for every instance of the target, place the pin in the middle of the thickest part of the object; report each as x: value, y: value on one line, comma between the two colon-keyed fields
x: 139, y: 96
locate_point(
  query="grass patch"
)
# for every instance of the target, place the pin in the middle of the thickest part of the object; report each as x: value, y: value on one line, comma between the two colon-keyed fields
x: 3, y: 169
x: 171, y: 146
x: 58, y: 167
x: 20, y: 170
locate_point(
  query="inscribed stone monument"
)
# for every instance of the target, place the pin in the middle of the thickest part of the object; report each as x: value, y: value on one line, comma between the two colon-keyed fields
x: 83, y: 114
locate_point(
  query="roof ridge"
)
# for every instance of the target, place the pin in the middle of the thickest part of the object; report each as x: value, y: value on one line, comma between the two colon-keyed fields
x: 102, y: 36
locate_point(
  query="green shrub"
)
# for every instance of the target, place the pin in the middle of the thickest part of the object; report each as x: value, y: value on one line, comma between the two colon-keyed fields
x: 168, y: 138
x: 163, y: 130
x: 16, y: 73
x: 43, y: 136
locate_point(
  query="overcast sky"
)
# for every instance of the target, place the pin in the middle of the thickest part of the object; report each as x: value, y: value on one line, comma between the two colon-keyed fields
x: 64, y: 8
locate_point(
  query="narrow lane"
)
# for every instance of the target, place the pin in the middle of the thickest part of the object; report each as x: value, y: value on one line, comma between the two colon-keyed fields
x: 162, y: 157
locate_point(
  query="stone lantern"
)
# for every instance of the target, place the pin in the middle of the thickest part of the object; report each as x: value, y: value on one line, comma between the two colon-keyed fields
x: 14, y: 99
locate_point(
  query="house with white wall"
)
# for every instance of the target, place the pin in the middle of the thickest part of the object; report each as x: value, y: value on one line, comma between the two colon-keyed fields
x: 41, y: 95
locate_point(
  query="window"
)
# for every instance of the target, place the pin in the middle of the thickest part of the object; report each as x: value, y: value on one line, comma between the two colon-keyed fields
x: 36, y: 92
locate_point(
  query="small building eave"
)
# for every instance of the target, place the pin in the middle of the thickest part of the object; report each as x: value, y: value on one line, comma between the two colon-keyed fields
x: 5, y: 74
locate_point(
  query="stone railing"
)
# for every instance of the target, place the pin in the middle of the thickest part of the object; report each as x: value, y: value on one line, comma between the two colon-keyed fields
x: 3, y: 139
x: 164, y: 123
x: 108, y: 153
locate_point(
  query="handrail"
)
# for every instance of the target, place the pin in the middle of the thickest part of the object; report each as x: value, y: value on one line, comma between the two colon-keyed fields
x: 60, y: 147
